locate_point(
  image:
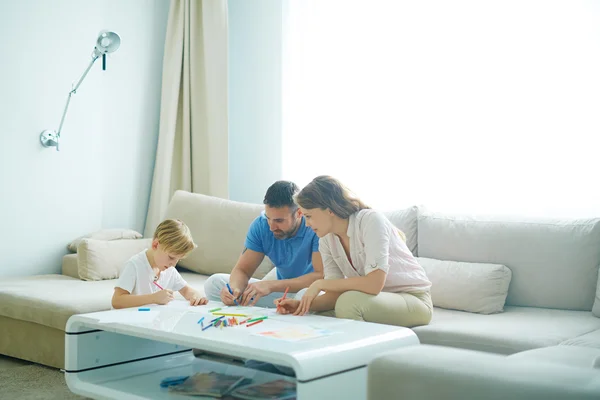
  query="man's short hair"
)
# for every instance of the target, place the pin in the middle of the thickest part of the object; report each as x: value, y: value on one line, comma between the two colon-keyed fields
x: 281, y: 194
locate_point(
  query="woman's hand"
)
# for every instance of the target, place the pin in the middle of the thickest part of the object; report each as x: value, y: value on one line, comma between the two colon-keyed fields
x: 311, y: 293
x: 286, y: 306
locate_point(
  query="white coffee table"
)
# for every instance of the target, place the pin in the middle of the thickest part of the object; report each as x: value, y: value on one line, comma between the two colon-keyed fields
x: 124, y: 354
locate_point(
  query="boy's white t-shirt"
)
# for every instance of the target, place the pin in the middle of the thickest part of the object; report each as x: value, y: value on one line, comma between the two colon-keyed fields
x: 137, y: 277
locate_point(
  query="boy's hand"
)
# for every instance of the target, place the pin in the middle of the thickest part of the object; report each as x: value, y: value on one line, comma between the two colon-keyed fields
x: 163, y: 296
x: 227, y: 298
x: 198, y: 301
x: 287, y: 306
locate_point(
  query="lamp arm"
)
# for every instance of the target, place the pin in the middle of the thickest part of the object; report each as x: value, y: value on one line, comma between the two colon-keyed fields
x: 72, y: 92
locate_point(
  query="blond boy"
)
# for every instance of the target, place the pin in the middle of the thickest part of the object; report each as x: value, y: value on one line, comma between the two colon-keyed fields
x: 149, y: 276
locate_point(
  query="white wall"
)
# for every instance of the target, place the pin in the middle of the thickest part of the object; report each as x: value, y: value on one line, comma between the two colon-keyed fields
x: 255, y: 64
x: 101, y: 177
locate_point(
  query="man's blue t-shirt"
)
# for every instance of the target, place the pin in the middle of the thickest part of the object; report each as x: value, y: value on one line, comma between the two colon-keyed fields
x: 292, y: 256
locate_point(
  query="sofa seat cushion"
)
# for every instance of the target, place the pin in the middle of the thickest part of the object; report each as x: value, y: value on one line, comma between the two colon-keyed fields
x: 51, y: 300
x: 589, y: 339
x: 516, y: 329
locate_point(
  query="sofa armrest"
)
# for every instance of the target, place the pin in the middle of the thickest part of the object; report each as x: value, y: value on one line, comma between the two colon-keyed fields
x: 575, y: 356
x: 431, y: 372
x: 69, y: 266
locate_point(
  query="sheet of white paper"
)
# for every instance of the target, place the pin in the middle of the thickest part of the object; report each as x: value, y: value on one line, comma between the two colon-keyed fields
x: 294, y: 333
x: 250, y: 311
x: 129, y: 316
x: 311, y: 320
x: 180, y: 305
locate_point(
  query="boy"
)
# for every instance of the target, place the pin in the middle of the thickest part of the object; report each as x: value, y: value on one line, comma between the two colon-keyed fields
x: 149, y: 276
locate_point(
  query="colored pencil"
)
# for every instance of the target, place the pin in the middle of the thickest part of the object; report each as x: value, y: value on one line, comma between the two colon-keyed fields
x: 284, y: 294
x: 160, y: 287
x: 231, y: 291
x: 229, y: 315
x: 257, y: 319
x: 254, y: 323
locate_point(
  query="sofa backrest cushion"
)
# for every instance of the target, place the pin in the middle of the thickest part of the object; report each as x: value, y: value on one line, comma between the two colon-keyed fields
x: 596, y: 308
x: 219, y: 228
x: 554, y: 263
x: 406, y: 221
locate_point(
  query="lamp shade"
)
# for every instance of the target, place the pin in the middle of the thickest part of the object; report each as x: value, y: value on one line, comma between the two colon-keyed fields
x: 107, y: 42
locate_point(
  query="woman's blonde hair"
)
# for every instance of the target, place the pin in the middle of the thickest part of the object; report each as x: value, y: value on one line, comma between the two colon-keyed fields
x: 326, y: 192
x: 175, y: 237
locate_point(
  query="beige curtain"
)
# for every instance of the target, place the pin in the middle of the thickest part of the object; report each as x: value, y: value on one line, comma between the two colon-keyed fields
x: 192, y: 143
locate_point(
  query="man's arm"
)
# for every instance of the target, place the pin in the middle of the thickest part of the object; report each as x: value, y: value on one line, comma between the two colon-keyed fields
x: 245, y: 267
x: 301, y: 282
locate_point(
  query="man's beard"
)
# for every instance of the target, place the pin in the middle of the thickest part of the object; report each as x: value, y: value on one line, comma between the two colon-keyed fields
x: 282, y: 235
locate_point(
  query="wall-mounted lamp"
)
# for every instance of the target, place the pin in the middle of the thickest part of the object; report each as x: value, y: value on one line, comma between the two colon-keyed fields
x: 107, y: 42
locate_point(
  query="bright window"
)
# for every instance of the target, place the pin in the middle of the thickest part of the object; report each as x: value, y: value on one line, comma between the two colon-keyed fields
x: 462, y: 106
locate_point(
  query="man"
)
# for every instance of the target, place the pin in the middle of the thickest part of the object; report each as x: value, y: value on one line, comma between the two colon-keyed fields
x: 280, y: 233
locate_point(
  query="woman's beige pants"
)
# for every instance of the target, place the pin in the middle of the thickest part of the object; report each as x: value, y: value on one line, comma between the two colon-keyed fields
x: 400, y: 309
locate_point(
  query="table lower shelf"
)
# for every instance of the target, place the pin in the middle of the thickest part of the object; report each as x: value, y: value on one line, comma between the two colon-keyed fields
x: 141, y: 379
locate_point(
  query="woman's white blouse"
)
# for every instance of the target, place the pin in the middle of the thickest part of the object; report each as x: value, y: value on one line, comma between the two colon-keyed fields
x: 374, y: 244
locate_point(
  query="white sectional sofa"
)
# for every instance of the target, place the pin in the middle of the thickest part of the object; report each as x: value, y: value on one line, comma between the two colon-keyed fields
x: 547, y: 339
x: 507, y: 285
x: 34, y: 310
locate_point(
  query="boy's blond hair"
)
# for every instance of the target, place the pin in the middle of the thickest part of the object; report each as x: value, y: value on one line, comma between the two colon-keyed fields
x: 175, y: 237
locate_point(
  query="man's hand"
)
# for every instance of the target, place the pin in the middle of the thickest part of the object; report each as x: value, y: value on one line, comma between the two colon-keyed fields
x: 227, y: 298
x: 255, y: 291
x: 163, y: 296
x: 311, y: 293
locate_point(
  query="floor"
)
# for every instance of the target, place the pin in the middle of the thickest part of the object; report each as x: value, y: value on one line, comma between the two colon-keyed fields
x: 9, y: 362
x: 24, y: 380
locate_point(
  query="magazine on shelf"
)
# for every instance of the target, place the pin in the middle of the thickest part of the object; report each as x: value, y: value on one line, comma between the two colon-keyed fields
x: 209, y: 384
x: 274, y: 390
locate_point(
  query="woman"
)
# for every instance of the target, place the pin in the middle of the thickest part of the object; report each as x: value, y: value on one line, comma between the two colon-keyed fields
x: 370, y: 274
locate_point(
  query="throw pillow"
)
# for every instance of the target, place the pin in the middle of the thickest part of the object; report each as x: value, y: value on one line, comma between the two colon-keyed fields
x: 105, y: 259
x: 105, y: 234
x: 474, y: 287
